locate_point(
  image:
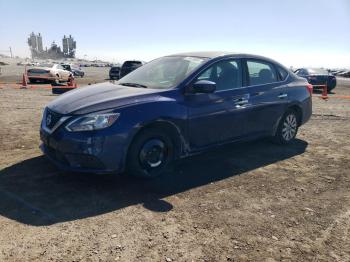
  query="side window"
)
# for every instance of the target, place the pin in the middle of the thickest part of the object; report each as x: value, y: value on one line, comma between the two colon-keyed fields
x: 59, y: 67
x: 282, y: 72
x: 226, y: 74
x: 261, y: 73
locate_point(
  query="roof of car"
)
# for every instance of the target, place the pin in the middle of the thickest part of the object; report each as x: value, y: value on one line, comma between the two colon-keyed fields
x: 207, y: 54
x: 214, y: 54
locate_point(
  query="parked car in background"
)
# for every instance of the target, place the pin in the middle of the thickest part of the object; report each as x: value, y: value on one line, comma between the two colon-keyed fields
x: 28, y: 64
x: 114, y: 72
x: 74, y: 69
x: 337, y: 72
x: 318, y: 77
x: 344, y: 74
x: 173, y: 107
x: 129, y: 66
x: 48, y: 72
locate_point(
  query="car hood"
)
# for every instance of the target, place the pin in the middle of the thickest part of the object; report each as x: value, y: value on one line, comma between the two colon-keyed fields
x: 101, y: 97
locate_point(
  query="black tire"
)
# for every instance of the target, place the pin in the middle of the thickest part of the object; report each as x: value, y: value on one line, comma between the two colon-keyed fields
x: 144, y: 150
x: 55, y: 83
x: 330, y: 87
x: 287, y: 128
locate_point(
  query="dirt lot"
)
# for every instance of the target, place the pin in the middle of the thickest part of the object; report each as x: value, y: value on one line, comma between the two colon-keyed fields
x: 255, y: 201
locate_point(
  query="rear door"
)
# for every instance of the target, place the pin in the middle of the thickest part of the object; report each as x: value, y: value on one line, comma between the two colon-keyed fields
x: 268, y: 94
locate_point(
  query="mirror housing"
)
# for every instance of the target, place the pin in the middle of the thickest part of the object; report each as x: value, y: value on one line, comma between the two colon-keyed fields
x: 204, y: 86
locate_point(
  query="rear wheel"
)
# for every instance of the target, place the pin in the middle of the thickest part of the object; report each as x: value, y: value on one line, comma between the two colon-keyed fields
x: 288, y: 128
x: 150, y: 154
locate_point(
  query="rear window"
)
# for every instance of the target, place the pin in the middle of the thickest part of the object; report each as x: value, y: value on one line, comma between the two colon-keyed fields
x: 132, y: 63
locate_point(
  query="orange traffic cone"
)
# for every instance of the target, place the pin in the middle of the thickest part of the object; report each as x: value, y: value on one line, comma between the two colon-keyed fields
x: 324, y: 92
x: 24, y: 81
x: 70, y: 81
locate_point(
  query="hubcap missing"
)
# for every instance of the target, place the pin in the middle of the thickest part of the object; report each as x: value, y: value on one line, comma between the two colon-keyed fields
x: 153, y: 153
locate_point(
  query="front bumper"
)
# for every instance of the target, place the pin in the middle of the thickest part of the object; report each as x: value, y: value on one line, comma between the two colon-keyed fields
x: 88, y: 152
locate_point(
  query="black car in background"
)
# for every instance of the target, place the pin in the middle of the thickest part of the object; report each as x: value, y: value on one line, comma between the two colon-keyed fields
x: 114, y: 72
x: 318, y: 77
x: 75, y: 70
x: 129, y: 66
x: 344, y: 73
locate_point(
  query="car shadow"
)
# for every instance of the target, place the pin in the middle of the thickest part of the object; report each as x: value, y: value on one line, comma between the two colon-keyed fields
x: 34, y: 192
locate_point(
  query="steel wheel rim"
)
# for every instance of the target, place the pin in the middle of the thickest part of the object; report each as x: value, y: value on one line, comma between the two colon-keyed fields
x: 289, y: 128
x: 153, y: 154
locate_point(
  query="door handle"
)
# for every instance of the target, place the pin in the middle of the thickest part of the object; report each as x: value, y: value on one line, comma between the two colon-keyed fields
x: 240, y: 100
x: 281, y: 96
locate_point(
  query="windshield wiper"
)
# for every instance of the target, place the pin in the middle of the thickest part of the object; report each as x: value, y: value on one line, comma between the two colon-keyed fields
x: 133, y: 85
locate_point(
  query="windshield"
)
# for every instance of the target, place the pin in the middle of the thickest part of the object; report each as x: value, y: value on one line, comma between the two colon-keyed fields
x: 162, y: 73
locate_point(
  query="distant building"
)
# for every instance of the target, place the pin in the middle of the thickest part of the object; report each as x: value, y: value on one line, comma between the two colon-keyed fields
x: 40, y: 43
x: 35, y: 43
x: 69, y: 46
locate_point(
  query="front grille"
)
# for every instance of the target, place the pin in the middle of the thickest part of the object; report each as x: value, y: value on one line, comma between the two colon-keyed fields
x: 51, y: 118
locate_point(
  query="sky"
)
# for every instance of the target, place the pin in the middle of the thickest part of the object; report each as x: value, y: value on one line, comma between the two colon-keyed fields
x: 296, y: 33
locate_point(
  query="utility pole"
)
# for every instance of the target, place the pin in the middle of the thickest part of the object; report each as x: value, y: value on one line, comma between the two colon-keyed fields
x: 11, y: 52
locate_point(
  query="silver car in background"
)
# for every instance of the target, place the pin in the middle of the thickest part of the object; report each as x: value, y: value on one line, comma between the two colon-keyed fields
x: 48, y: 72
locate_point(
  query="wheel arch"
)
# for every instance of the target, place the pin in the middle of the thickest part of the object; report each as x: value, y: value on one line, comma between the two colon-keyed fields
x: 299, y: 112
x: 171, y: 129
x: 294, y: 107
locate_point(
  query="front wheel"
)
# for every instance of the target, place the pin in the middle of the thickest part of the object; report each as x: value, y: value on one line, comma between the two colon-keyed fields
x: 287, y: 128
x: 151, y: 154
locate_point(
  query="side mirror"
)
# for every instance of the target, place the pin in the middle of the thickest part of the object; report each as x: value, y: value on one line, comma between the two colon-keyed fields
x: 204, y: 86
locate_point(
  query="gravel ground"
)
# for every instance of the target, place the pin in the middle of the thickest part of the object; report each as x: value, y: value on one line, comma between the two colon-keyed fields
x: 254, y: 201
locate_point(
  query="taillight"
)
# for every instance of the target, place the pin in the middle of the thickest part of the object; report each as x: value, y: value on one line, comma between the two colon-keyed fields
x: 309, y: 88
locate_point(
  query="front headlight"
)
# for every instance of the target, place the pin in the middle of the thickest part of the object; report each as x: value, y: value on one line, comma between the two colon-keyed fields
x: 92, y: 122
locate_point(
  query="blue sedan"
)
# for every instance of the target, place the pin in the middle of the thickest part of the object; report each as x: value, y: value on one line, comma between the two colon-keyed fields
x: 174, y: 107
x: 318, y: 77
